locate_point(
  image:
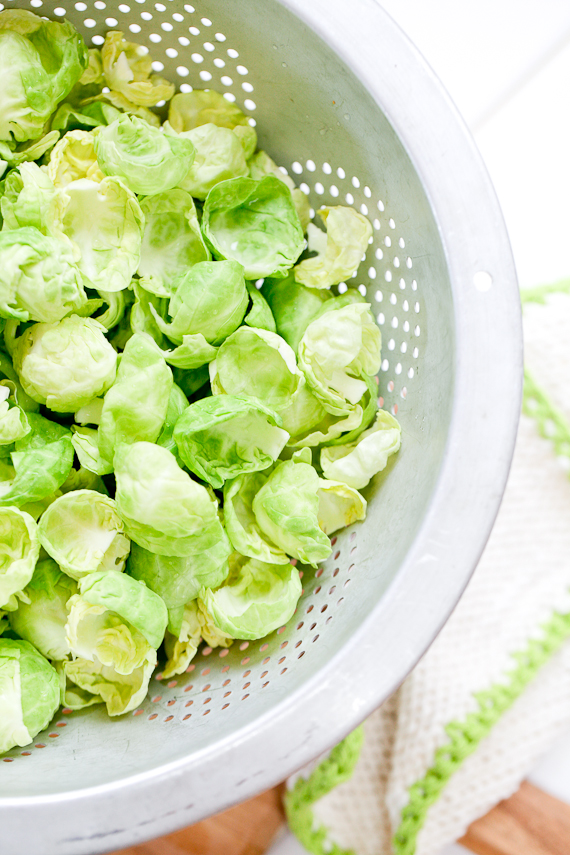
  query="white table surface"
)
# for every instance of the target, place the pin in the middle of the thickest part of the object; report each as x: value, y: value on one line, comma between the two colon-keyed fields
x: 506, y: 64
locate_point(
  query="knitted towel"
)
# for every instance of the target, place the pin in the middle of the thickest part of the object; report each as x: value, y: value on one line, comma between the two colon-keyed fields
x: 494, y: 688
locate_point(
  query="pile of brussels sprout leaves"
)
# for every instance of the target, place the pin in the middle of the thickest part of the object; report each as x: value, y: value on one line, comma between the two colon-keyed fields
x: 186, y: 410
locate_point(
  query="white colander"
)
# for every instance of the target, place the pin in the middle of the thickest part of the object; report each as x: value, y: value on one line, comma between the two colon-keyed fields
x: 345, y: 103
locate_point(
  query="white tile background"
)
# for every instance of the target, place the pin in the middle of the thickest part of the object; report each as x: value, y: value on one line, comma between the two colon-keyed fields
x: 506, y: 64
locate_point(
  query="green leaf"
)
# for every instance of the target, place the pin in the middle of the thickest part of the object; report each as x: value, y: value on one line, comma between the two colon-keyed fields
x: 178, y: 580
x: 260, y: 165
x: 131, y: 600
x: 336, y: 350
x: 104, y: 220
x: 42, y: 461
x: 190, y: 110
x: 224, y: 436
x: 339, y: 506
x: 31, y: 199
x: 172, y: 240
x: 135, y: 406
x: 147, y: 160
x: 121, y: 693
x: 258, y: 363
x: 192, y: 353
x: 14, y: 424
x: 68, y: 117
x: 259, y: 315
x: 177, y: 403
x: 118, y: 302
x: 181, y: 645
x: 85, y: 443
x: 19, y: 551
x: 127, y: 68
x: 256, y: 599
x: 219, y: 156
x: 255, y: 223
x: 29, y: 693
x: 340, y: 250
x: 243, y: 531
x: 41, y: 615
x: 163, y: 508
x: 293, y: 306
x: 38, y: 277
x: 286, y: 510
x: 357, y: 462
x: 74, y: 158
x: 65, y: 365
x: 210, y: 299
x: 40, y: 62
x: 83, y: 532
x: 142, y: 319
x: 310, y: 425
x: 17, y: 153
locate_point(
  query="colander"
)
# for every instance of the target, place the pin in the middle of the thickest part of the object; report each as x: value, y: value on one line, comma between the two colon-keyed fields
x: 342, y: 100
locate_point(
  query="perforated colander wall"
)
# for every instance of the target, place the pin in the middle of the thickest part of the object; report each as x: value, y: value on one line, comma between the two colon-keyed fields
x: 340, y: 149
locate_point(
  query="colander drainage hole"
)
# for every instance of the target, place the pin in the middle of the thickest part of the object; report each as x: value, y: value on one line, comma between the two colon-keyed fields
x: 482, y: 280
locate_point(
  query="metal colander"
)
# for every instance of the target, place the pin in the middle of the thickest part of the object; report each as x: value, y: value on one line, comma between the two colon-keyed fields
x: 344, y: 102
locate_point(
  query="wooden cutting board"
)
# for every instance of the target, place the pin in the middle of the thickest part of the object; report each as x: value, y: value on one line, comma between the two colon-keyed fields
x: 248, y: 829
x: 529, y: 823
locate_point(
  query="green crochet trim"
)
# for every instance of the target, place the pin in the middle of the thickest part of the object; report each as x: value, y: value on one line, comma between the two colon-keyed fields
x: 299, y: 800
x: 465, y: 736
x: 550, y: 422
x: 539, y: 295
